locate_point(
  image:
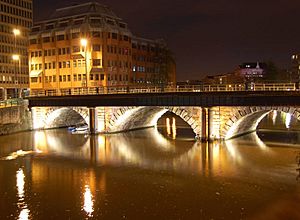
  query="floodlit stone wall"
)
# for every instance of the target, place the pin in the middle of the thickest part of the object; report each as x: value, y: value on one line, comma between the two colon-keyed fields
x: 15, y: 119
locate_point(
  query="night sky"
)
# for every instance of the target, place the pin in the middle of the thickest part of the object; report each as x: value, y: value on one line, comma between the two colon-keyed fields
x: 209, y: 36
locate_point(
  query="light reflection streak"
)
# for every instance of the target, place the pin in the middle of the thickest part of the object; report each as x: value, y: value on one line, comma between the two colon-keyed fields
x: 174, y: 132
x: 288, y: 119
x: 24, y: 214
x: 20, y: 184
x: 88, y: 205
x: 168, y: 126
x: 274, y: 117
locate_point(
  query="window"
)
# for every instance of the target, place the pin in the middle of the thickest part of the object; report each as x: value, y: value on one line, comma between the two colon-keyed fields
x: 75, y: 35
x: 96, y: 47
x: 122, y: 25
x: 114, y: 36
x: 48, y: 27
x: 96, y: 34
x: 33, y: 41
x: 60, y: 37
x: 34, y: 79
x: 76, y: 49
x: 125, y: 38
x: 102, y: 77
x: 46, y: 39
x: 96, y: 62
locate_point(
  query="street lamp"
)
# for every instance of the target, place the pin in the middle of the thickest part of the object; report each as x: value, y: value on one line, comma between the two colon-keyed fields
x: 84, y: 43
x: 16, y: 32
x: 16, y: 58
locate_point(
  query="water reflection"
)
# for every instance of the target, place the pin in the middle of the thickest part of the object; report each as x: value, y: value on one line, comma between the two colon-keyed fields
x: 288, y: 120
x: 88, y: 205
x: 24, y: 214
x: 210, y: 159
x: 111, y: 176
x: 274, y: 117
x: 171, y: 129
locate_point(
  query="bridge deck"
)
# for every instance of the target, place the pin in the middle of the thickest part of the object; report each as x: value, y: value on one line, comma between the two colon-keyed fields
x: 203, y: 99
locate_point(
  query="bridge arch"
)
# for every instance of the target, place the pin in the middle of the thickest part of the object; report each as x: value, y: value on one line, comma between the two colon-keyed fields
x: 243, y: 120
x: 60, y: 117
x: 129, y: 118
x: 45, y: 118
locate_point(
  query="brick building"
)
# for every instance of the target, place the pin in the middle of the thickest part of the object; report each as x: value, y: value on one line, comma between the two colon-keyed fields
x: 89, y: 46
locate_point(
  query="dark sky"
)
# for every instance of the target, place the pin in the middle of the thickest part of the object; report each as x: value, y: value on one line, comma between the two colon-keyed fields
x: 209, y: 36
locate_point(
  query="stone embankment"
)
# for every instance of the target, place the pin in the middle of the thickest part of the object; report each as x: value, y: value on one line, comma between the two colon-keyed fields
x: 15, y: 119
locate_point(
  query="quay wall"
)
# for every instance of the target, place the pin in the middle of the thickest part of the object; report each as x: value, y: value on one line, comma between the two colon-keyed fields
x: 15, y: 119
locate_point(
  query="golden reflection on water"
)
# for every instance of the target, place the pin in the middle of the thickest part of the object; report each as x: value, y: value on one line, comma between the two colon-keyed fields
x: 88, y: 205
x: 171, y: 129
x: 24, y: 214
x: 168, y: 126
x: 288, y: 120
x: 151, y: 150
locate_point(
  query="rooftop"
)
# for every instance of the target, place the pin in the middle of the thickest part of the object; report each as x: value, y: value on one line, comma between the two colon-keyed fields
x: 88, y: 8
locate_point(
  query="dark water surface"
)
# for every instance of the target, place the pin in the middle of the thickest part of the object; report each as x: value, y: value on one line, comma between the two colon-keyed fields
x: 148, y: 174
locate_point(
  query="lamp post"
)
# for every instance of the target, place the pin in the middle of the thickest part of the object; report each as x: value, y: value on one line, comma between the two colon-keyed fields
x: 84, y: 43
x: 16, y: 33
x: 16, y: 58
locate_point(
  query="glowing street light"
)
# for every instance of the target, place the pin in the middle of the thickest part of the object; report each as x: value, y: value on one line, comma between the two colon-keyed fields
x: 16, y: 58
x: 16, y: 31
x: 84, y: 43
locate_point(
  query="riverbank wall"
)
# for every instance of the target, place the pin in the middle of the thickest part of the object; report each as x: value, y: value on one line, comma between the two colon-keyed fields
x: 15, y: 119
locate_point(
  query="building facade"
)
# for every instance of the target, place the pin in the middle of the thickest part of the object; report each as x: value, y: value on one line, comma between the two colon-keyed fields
x: 295, y: 68
x: 15, y: 24
x: 252, y: 70
x: 88, y: 46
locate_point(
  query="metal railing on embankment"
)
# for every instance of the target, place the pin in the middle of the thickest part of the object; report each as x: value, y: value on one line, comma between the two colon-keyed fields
x: 12, y: 102
x: 196, y: 88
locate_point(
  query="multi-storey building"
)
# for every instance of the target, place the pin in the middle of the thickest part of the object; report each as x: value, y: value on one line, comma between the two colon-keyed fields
x: 295, y: 68
x: 15, y: 23
x: 89, y: 46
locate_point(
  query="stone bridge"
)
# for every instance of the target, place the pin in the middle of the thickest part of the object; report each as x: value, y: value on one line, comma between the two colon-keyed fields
x: 207, y: 123
x: 211, y: 115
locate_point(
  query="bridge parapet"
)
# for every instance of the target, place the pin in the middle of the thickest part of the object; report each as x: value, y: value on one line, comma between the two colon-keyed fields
x: 197, y: 88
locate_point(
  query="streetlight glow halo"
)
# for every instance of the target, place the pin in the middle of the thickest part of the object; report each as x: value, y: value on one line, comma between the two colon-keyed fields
x: 16, y: 57
x: 83, y: 42
x: 16, y: 31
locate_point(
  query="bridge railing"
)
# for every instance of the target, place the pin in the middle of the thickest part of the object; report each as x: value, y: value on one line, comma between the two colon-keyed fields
x: 196, y: 88
x: 12, y: 102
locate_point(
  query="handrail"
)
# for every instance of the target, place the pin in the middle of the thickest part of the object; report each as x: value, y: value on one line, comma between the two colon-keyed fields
x: 195, y: 88
x: 12, y: 102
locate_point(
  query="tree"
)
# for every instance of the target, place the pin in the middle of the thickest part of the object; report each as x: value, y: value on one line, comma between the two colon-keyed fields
x: 273, y: 73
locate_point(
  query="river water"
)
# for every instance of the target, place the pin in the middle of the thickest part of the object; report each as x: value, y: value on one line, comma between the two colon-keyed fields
x: 151, y: 174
